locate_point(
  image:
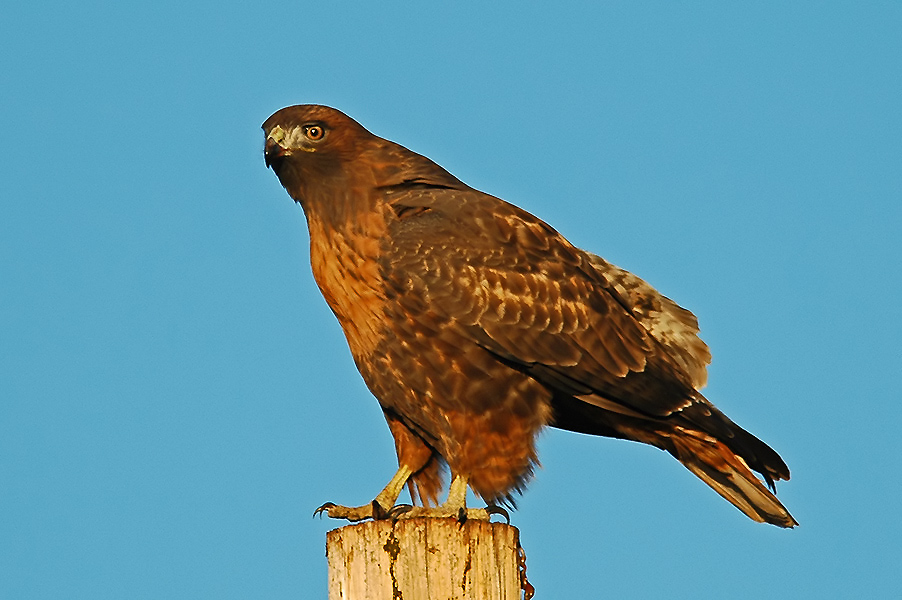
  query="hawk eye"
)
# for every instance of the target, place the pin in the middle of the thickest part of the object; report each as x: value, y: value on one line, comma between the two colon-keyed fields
x: 314, y: 132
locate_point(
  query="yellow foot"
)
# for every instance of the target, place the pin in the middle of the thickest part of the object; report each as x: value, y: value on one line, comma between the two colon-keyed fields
x: 461, y: 513
x: 373, y: 510
x: 383, y: 506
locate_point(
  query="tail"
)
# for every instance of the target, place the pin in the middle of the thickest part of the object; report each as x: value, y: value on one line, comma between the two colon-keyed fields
x: 729, y: 475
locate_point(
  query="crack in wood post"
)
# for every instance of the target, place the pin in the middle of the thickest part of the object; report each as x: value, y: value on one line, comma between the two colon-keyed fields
x: 392, y: 547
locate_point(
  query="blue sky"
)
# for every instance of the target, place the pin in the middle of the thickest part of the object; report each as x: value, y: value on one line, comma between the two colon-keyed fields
x: 176, y: 398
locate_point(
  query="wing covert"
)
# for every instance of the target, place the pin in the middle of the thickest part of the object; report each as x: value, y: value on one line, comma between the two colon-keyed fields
x: 512, y: 284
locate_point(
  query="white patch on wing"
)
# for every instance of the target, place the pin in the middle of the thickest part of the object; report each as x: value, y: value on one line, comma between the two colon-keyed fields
x: 673, y: 326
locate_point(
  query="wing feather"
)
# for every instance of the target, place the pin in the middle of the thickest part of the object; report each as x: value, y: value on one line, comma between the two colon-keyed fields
x: 673, y: 326
x: 511, y: 283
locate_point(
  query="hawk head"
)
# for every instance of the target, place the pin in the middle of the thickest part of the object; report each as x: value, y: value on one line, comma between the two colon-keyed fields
x: 307, y: 143
x: 323, y: 157
x: 309, y: 129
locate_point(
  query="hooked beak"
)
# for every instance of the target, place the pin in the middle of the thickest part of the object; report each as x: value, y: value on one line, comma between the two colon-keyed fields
x: 274, y: 154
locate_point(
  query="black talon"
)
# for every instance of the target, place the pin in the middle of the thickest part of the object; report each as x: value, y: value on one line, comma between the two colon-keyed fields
x: 398, y: 510
x: 379, y: 513
x: 494, y: 509
x: 325, y: 507
x: 461, y: 517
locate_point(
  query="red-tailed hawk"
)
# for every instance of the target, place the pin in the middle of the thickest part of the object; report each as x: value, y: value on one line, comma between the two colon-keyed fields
x: 476, y: 324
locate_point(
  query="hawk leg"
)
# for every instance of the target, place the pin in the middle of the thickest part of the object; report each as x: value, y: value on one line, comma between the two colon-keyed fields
x: 455, y: 507
x: 379, y: 508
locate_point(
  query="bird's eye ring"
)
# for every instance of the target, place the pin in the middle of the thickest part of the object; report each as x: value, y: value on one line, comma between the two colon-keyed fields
x: 314, y: 132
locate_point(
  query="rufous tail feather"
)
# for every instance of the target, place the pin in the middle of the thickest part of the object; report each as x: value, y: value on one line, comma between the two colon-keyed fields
x: 729, y: 476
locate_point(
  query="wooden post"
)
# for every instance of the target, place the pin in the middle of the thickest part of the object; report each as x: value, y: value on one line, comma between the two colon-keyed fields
x: 426, y: 559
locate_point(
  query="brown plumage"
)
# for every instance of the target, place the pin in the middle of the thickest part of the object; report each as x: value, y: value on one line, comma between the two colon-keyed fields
x: 475, y: 325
